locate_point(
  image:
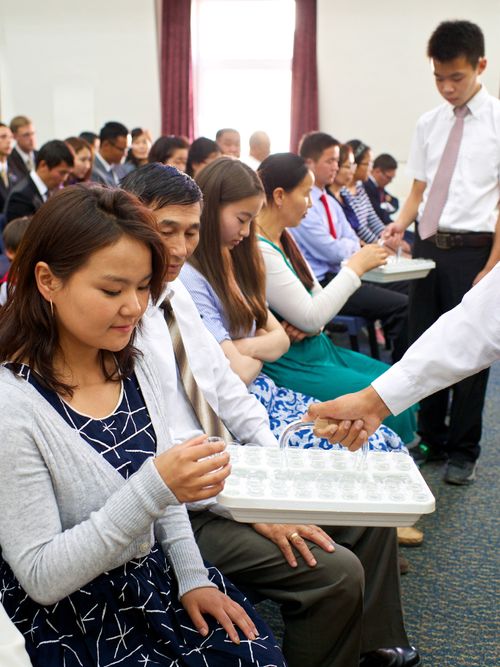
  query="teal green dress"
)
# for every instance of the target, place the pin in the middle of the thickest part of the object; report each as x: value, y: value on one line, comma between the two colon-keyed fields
x: 317, y: 367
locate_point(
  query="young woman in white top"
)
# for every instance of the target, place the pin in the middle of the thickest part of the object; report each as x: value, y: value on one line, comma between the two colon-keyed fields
x: 313, y: 365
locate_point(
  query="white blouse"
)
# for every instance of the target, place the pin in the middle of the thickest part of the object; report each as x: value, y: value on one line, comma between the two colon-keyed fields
x: 288, y: 297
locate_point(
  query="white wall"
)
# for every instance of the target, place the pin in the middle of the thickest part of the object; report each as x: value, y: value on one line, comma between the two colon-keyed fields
x: 72, y: 66
x: 374, y: 77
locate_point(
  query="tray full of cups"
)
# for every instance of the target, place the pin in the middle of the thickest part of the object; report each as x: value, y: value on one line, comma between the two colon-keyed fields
x: 398, y: 268
x: 324, y: 487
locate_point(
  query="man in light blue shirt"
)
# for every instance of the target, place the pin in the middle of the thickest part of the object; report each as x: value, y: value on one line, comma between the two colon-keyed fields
x: 326, y: 238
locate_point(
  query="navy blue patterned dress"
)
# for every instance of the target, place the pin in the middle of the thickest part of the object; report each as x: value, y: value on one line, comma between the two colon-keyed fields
x: 130, y: 616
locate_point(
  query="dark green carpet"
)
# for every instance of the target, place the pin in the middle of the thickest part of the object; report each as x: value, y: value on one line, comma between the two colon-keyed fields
x: 451, y: 594
x: 452, y: 590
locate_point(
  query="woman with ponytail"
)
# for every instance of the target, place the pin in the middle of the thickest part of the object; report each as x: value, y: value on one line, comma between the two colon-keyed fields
x: 313, y: 364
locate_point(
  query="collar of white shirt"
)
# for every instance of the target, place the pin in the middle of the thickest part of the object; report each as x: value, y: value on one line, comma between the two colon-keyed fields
x: 40, y: 185
x: 26, y: 156
x: 105, y: 164
x: 316, y: 192
x: 474, y: 104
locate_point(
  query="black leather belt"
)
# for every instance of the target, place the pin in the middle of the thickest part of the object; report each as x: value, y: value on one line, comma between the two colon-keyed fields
x: 448, y: 240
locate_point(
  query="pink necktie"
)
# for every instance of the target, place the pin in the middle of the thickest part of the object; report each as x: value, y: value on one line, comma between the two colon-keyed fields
x: 438, y: 193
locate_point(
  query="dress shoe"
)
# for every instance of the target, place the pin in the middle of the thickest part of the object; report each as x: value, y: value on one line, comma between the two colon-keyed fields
x: 391, y: 657
x: 404, y: 565
x: 409, y: 536
x: 460, y: 472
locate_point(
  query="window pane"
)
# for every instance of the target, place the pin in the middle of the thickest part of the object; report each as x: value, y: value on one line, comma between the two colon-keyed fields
x: 243, y: 67
x: 234, y: 29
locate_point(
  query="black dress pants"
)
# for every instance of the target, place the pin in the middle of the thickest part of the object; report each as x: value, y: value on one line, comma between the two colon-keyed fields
x: 380, y: 303
x: 430, y: 297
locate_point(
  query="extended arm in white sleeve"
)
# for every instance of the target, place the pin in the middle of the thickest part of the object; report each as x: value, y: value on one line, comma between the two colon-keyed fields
x: 462, y: 342
x: 288, y: 297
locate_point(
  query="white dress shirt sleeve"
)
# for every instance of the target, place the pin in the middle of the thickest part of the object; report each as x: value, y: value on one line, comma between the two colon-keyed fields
x: 417, y: 158
x: 12, y: 651
x: 462, y: 342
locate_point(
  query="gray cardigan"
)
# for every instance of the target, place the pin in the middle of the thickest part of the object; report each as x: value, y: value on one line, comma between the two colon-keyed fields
x: 66, y: 515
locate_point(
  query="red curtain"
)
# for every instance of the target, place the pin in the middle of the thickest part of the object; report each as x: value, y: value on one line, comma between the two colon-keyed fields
x: 177, y: 115
x: 304, y: 108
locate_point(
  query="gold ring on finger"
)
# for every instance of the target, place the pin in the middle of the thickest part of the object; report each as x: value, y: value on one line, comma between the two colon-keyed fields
x: 293, y: 536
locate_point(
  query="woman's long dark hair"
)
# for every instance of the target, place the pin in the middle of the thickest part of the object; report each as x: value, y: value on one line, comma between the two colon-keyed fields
x: 286, y: 171
x: 237, y: 276
x: 64, y: 233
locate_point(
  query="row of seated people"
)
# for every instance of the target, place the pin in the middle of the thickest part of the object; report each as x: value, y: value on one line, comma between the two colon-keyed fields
x: 83, y: 574
x: 38, y: 174
x: 108, y: 156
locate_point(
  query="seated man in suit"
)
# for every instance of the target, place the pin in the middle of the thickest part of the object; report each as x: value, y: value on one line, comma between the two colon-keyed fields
x: 229, y: 142
x: 114, y: 141
x: 383, y: 172
x: 22, y: 159
x: 53, y: 164
x: 318, y: 587
x: 326, y: 239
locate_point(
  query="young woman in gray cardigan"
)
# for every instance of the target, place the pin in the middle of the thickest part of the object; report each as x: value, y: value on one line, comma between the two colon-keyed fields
x: 98, y: 563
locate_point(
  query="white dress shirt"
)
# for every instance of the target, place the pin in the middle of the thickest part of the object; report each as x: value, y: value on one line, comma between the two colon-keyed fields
x: 40, y: 185
x: 107, y: 167
x: 475, y: 185
x: 251, y: 161
x: 12, y: 651
x: 27, y: 157
x: 227, y: 395
x: 462, y: 342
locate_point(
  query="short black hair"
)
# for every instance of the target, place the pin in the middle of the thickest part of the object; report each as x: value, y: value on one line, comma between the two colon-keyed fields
x: 452, y: 39
x: 158, y: 185
x: 112, y: 130
x: 313, y: 144
x: 14, y: 232
x: 89, y: 137
x: 385, y: 162
x: 199, y: 150
x: 53, y: 153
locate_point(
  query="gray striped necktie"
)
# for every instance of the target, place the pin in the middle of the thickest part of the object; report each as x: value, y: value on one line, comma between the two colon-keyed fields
x: 209, y: 420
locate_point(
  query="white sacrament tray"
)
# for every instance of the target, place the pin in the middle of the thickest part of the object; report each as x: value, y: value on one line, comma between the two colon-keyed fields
x: 329, y: 487
x: 399, y: 269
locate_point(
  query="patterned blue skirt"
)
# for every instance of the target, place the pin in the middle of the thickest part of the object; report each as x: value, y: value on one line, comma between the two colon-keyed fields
x: 131, y: 616
x: 285, y: 406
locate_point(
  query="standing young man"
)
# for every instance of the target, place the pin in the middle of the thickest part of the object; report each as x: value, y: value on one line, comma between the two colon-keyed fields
x: 455, y: 162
